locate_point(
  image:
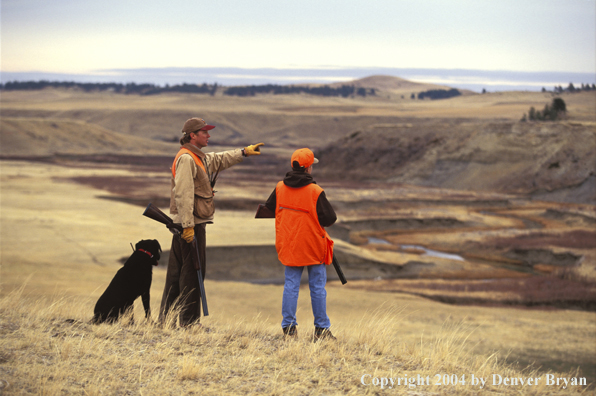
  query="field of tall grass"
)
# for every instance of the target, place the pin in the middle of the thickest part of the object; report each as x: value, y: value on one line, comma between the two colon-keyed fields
x: 48, y: 347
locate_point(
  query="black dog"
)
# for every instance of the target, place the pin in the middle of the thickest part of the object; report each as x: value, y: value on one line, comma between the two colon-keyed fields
x: 131, y: 281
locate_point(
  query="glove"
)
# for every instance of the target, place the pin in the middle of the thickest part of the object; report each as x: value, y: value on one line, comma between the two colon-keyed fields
x: 188, y: 234
x: 253, y: 149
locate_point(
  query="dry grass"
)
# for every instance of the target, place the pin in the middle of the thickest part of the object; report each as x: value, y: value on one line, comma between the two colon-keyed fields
x: 511, y: 105
x: 66, y: 251
x: 62, y: 243
x: 43, y: 353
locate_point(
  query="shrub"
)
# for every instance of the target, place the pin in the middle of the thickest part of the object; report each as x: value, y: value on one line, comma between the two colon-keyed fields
x: 439, y: 94
x: 550, y: 113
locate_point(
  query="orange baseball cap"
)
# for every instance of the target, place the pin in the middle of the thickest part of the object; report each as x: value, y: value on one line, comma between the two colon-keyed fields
x: 304, y: 157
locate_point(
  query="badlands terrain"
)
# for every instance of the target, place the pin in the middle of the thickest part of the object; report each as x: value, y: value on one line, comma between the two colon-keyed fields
x: 454, y: 201
x: 463, y: 176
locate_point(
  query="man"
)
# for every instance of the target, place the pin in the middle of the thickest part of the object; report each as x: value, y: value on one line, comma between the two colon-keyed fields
x: 191, y: 205
x: 301, y: 213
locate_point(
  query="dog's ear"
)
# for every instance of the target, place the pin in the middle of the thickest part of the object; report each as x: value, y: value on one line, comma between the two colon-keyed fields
x: 156, y: 250
x: 144, y: 244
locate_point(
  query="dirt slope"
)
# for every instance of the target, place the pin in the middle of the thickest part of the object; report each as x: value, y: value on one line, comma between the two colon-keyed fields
x: 542, y: 159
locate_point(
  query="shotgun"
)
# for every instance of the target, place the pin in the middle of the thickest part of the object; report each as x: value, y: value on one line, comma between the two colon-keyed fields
x: 153, y: 212
x: 340, y: 273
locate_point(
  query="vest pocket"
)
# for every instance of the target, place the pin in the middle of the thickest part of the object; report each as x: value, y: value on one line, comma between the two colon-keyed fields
x: 294, y: 208
x: 204, y: 207
x: 329, y: 249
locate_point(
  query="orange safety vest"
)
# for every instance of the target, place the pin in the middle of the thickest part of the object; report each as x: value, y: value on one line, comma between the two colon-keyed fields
x: 194, y: 157
x: 299, y: 238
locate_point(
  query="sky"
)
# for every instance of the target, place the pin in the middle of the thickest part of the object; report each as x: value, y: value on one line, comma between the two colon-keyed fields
x: 102, y: 37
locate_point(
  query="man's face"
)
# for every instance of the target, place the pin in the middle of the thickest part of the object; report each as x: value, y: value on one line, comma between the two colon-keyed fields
x: 200, y: 138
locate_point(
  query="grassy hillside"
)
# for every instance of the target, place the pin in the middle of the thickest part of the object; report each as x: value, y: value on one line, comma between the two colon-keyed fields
x: 71, y: 209
x: 35, y: 137
x: 473, y: 142
x: 280, y: 120
x: 58, y: 271
x: 43, y: 353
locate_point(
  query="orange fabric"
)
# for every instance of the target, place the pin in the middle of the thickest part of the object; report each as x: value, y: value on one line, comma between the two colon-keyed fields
x: 194, y: 157
x: 299, y: 238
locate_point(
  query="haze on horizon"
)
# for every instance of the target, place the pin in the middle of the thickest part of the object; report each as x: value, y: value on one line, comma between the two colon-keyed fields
x: 63, y: 36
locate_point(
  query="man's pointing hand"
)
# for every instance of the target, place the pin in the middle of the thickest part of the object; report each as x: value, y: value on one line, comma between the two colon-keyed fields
x: 253, y: 149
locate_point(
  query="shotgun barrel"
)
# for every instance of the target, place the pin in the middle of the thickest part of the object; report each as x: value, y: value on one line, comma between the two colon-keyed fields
x: 153, y: 212
x: 340, y: 273
x: 197, y: 259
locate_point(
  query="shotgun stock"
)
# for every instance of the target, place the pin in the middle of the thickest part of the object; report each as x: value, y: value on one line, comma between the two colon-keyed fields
x: 154, y: 213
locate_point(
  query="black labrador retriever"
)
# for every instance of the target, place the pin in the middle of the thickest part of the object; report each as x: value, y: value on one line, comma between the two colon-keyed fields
x: 130, y: 282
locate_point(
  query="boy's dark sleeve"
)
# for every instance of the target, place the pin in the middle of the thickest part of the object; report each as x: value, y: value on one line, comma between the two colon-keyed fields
x: 271, y: 203
x: 325, y: 212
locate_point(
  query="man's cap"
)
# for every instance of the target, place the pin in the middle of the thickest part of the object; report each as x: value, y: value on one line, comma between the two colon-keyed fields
x: 196, y: 124
x: 304, y: 157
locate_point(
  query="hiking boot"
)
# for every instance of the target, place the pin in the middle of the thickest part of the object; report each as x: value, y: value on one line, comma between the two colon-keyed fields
x: 290, y: 331
x: 321, y: 333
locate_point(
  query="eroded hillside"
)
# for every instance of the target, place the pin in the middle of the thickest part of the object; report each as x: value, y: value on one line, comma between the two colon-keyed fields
x: 544, y: 160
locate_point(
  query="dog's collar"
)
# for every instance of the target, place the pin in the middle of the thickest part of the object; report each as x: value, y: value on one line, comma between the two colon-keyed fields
x: 145, y: 251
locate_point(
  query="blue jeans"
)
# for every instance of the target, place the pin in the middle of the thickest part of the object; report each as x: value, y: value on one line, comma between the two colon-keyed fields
x: 317, y: 278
